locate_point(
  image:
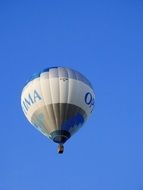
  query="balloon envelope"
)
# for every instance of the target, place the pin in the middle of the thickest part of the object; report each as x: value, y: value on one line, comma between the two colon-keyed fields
x: 58, y: 101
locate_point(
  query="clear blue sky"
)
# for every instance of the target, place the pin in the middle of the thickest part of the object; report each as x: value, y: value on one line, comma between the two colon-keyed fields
x: 104, y: 41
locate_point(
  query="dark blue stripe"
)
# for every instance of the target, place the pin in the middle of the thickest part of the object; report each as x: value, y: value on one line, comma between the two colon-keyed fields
x: 72, y: 75
x: 36, y: 75
x: 47, y: 69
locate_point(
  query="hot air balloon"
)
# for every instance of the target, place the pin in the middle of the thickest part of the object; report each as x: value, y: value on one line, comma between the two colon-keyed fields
x: 57, y: 101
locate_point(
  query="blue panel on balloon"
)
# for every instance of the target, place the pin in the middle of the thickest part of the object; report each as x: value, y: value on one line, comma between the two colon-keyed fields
x: 76, y: 120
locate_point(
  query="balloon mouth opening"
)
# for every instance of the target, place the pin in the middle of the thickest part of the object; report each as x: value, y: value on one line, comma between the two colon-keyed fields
x: 60, y: 136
